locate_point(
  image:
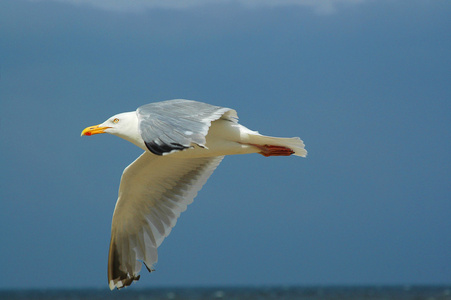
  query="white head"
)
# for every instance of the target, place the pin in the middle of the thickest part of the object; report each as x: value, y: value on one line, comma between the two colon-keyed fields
x: 124, y: 125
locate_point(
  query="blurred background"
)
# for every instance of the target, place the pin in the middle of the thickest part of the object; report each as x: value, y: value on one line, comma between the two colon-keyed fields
x: 365, y: 84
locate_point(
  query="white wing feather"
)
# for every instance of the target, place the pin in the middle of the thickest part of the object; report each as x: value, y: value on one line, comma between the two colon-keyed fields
x: 154, y: 190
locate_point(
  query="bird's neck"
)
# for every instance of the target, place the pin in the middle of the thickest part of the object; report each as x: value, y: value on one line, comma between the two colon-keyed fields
x: 131, y: 132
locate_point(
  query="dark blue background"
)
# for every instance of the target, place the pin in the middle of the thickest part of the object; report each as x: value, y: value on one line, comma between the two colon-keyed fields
x: 366, y: 85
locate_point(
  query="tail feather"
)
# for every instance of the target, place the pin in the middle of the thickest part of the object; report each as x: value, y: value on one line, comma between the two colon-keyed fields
x: 295, y: 143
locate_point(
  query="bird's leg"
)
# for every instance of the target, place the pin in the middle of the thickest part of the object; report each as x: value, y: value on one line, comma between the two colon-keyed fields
x: 273, y: 150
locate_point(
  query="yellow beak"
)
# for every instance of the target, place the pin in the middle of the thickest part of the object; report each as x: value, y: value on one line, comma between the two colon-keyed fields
x: 93, y: 130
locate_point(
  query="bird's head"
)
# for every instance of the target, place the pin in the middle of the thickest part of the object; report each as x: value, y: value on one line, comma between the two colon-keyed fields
x: 113, y: 125
x: 124, y: 125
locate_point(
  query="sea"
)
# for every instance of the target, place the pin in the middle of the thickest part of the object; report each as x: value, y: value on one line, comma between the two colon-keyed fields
x: 250, y: 293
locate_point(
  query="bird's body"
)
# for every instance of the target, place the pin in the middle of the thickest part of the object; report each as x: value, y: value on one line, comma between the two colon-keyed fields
x: 183, y: 142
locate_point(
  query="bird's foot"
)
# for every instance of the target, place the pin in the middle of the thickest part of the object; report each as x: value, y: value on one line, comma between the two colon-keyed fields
x: 273, y: 150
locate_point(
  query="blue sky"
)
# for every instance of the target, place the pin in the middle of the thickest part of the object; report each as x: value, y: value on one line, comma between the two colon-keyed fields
x: 366, y: 85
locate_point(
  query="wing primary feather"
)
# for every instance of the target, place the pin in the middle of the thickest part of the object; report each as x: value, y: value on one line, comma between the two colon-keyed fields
x: 154, y: 191
x: 160, y: 149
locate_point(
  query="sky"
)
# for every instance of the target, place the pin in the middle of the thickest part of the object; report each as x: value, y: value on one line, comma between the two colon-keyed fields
x: 365, y: 84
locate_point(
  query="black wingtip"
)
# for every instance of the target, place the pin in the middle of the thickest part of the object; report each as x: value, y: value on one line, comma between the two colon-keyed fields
x: 160, y: 149
x: 116, y: 277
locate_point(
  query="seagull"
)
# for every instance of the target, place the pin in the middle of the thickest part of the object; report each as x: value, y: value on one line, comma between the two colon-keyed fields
x: 183, y: 142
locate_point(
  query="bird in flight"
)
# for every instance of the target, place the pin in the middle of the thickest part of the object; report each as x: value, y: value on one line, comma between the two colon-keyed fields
x: 183, y: 142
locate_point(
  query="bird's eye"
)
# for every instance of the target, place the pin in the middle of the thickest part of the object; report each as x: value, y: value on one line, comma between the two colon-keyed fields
x: 115, y: 121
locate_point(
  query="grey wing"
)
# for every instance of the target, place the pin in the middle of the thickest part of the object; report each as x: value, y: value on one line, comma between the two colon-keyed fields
x: 154, y: 190
x: 178, y: 124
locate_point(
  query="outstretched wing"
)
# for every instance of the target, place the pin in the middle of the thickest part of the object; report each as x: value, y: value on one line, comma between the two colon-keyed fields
x: 175, y: 125
x: 154, y: 190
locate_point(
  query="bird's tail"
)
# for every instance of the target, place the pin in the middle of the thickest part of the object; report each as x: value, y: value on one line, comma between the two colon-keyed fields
x: 275, y: 146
